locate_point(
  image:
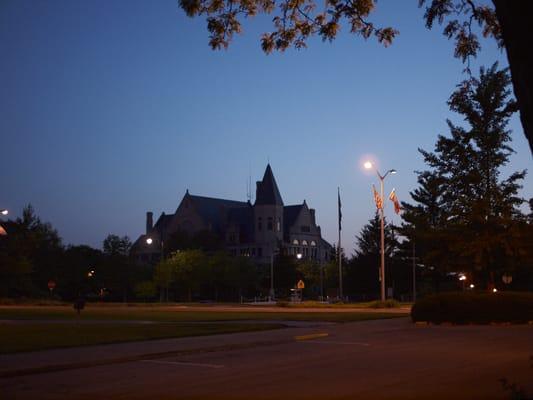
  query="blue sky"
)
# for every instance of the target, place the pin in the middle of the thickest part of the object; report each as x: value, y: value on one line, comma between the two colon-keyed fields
x: 109, y: 109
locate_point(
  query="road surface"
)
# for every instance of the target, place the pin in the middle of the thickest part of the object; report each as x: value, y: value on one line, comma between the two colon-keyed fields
x: 384, y: 359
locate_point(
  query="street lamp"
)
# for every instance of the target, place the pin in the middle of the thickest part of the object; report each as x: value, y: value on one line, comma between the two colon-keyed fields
x: 149, y: 242
x: 462, y: 278
x: 2, y: 230
x: 368, y: 165
x: 272, y: 254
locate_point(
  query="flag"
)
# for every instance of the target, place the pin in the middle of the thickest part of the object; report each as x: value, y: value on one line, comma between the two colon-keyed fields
x: 340, y: 213
x: 377, y: 198
x: 394, y: 199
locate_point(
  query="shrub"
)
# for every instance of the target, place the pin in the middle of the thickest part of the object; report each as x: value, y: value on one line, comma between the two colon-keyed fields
x: 474, y: 308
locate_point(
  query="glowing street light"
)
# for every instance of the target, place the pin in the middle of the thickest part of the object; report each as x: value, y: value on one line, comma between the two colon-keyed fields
x: 4, y: 212
x: 462, y: 278
x: 91, y: 273
x: 472, y: 286
x: 149, y: 241
x: 369, y: 165
x: 299, y: 256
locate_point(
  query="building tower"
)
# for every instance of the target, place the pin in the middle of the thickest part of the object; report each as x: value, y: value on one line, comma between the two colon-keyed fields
x: 268, y: 215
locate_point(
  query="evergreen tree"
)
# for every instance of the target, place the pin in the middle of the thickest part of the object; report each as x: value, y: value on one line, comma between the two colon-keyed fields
x: 466, y: 216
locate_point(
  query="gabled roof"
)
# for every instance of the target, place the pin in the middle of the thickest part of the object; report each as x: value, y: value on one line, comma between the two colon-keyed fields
x: 214, y: 211
x: 267, y: 190
x: 290, y: 213
x: 162, y: 222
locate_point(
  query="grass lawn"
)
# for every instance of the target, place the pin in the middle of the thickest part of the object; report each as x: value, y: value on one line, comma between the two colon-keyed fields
x: 39, y: 336
x: 182, y: 314
x: 55, y: 326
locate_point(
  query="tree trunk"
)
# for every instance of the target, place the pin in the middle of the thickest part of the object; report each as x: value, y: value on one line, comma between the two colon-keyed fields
x: 515, y: 21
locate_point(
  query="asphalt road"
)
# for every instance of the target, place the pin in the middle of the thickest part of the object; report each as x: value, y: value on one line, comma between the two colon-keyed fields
x: 385, y: 359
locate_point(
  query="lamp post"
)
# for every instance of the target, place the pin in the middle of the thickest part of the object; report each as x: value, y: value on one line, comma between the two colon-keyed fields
x: 149, y: 242
x: 462, y: 278
x: 368, y: 165
x: 2, y: 230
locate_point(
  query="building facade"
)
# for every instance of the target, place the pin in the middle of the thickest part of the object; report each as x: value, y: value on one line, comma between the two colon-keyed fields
x: 260, y: 230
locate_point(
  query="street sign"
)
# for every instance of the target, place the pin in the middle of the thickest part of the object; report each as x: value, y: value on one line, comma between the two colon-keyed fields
x: 300, y: 284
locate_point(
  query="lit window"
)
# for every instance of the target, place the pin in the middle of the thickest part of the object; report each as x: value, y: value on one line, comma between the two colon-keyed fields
x: 304, y: 242
x: 278, y: 225
x: 295, y: 241
x: 313, y: 243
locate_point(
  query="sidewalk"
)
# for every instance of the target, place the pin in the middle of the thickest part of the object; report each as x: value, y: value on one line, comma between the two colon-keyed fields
x: 89, y: 356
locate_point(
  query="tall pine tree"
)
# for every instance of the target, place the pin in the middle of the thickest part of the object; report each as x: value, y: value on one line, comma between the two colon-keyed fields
x: 465, y: 216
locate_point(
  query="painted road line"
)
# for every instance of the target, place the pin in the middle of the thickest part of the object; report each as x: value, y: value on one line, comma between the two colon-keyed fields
x: 342, y: 343
x: 190, y: 364
x: 311, y: 336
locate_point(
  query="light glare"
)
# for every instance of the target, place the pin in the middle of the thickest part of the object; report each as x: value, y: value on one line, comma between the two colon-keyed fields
x: 367, y: 165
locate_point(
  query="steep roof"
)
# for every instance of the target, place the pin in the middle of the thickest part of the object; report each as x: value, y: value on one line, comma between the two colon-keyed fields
x: 290, y: 213
x: 214, y: 211
x: 267, y: 190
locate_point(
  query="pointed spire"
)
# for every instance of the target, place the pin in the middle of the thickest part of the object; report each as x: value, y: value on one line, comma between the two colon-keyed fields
x: 267, y: 190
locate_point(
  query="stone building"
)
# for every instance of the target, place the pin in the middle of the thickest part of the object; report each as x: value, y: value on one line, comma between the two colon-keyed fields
x: 266, y: 228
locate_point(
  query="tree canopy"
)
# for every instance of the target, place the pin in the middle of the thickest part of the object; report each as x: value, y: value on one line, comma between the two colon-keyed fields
x: 466, y: 217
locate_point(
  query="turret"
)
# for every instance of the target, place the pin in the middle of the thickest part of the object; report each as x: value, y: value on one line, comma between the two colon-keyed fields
x: 268, y: 212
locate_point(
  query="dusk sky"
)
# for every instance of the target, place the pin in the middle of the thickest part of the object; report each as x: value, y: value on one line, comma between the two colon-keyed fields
x: 109, y: 109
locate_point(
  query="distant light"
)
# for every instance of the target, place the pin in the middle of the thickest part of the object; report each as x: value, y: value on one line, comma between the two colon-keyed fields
x: 299, y: 256
x: 367, y: 165
x: 393, y: 171
x: 4, y: 212
x: 494, y: 290
x: 149, y: 241
x: 472, y: 286
x: 462, y: 278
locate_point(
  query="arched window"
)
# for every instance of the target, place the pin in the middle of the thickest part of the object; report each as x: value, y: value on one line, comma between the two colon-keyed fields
x: 295, y: 242
x: 304, y: 242
x: 313, y: 243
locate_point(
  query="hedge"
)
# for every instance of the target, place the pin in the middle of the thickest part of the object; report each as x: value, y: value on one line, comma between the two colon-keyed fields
x: 474, y: 308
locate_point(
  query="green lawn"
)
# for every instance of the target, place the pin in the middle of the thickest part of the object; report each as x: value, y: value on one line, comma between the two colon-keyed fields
x: 56, y: 326
x: 179, y: 314
x: 40, y: 336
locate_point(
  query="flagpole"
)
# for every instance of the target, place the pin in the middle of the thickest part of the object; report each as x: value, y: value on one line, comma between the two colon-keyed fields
x: 339, y: 246
x: 382, y: 270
